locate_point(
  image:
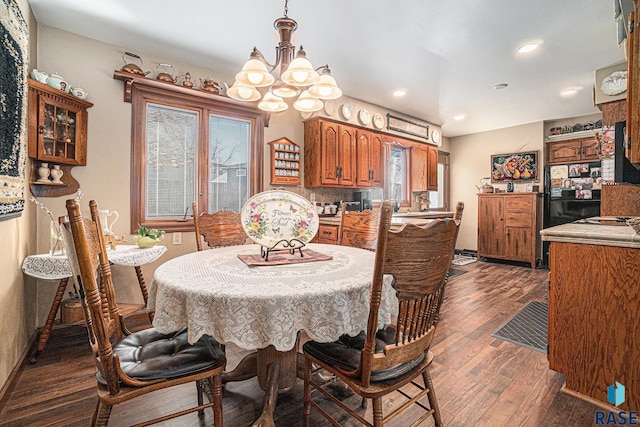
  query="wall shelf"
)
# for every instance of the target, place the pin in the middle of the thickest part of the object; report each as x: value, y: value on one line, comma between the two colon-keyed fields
x: 572, y: 135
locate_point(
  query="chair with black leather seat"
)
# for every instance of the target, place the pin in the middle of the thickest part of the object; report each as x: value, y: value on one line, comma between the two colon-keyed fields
x: 218, y: 229
x: 359, y: 229
x: 378, y: 362
x: 132, y: 364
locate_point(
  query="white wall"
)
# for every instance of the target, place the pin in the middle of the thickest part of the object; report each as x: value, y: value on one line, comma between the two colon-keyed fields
x: 471, y: 161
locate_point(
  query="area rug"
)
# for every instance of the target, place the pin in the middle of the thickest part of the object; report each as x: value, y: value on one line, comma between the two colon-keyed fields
x: 459, y: 259
x: 527, y: 328
x: 14, y: 57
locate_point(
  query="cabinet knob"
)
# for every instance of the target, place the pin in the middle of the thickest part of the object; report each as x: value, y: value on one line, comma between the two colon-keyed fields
x: 41, y: 129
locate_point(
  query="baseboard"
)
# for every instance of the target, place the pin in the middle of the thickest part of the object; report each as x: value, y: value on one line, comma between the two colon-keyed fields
x: 15, y: 372
x: 467, y: 252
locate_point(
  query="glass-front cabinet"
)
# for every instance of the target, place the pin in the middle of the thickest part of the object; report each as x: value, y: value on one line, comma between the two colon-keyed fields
x: 57, y: 125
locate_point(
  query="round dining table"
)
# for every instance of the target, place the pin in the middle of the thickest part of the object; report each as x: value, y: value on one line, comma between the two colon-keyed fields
x: 264, y: 308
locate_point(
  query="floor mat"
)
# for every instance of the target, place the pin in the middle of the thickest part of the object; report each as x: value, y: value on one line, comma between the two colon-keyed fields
x: 463, y: 260
x: 453, y: 272
x: 527, y: 328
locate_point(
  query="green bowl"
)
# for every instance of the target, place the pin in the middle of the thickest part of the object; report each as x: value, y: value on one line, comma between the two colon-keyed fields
x: 146, y: 242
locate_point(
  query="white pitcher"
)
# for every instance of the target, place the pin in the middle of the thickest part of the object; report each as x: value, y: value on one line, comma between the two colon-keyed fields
x: 104, y: 220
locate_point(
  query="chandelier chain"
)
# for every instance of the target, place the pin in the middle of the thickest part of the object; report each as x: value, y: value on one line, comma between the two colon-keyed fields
x: 286, y: 8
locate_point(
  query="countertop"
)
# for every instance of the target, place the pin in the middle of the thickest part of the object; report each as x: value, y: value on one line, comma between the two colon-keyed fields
x: 591, y: 232
x: 398, y: 218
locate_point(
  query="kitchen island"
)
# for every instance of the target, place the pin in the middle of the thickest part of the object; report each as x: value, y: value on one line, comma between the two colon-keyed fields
x: 594, y: 301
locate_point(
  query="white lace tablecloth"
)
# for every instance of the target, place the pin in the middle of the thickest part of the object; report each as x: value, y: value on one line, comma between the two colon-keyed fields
x: 215, y: 293
x: 56, y: 267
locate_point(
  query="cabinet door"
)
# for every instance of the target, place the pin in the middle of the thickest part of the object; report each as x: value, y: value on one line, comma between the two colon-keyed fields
x: 518, y: 244
x: 419, y: 162
x: 363, y: 150
x: 564, y: 152
x: 329, y: 152
x: 375, y: 160
x: 590, y: 149
x: 491, y: 226
x: 347, y: 156
x: 432, y: 169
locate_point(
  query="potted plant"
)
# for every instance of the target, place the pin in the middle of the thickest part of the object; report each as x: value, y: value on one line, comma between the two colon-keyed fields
x: 148, y: 238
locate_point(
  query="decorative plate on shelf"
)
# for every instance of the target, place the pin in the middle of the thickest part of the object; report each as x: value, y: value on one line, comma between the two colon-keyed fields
x: 364, y: 117
x: 378, y: 121
x: 435, y: 137
x: 276, y: 219
x: 347, y: 111
x: 329, y: 107
x: 615, y: 83
x: 306, y: 114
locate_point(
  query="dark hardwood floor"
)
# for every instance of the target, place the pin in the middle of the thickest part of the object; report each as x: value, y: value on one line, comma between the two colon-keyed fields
x: 479, y: 380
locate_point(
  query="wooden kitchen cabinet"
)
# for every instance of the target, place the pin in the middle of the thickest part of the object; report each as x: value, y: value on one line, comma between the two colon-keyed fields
x: 57, y: 137
x: 593, y: 332
x: 424, y: 167
x: 632, y: 148
x: 508, y: 226
x: 327, y: 233
x: 369, y: 165
x: 330, y: 154
x: 573, y: 151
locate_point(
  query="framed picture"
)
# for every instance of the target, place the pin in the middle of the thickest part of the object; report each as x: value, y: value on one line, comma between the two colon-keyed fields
x: 407, y: 126
x: 515, y: 167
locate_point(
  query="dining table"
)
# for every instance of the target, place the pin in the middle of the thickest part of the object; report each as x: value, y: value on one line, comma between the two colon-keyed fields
x: 56, y: 267
x: 264, y: 307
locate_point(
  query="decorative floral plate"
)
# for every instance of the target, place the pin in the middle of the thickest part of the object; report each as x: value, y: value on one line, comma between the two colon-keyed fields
x: 278, y: 219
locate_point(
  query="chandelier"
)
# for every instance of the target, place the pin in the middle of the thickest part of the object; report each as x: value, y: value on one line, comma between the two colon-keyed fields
x: 297, y: 77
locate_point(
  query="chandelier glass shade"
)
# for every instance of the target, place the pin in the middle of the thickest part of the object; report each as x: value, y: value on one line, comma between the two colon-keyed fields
x: 296, y: 76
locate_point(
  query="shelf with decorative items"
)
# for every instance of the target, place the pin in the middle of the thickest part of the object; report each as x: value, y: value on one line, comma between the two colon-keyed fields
x: 285, y: 162
x: 57, y: 139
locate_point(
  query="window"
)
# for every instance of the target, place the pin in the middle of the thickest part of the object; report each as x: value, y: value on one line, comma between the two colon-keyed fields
x: 439, y: 200
x: 187, y: 148
x: 396, y: 182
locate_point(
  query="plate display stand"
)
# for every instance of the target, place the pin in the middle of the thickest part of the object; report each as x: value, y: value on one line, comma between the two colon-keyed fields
x: 283, y: 245
x: 279, y: 220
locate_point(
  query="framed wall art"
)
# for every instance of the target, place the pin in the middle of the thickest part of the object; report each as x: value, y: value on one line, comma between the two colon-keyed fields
x: 13, y: 112
x: 515, y: 167
x: 407, y: 126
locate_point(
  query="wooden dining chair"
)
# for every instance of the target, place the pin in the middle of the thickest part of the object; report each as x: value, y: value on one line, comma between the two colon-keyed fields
x: 221, y: 228
x: 378, y: 362
x: 129, y: 364
x: 359, y: 229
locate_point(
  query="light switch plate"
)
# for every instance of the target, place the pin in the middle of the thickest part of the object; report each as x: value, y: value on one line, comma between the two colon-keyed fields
x: 177, y: 238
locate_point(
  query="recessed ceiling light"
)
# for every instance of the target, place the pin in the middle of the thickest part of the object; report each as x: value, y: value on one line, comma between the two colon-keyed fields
x: 528, y: 48
x: 399, y: 92
x: 500, y: 86
x: 570, y: 91
x: 460, y: 117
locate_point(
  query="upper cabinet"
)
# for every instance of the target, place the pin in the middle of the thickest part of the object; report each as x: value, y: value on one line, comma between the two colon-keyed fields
x: 575, y: 150
x: 329, y: 154
x: 424, y: 167
x: 369, y: 159
x: 57, y: 125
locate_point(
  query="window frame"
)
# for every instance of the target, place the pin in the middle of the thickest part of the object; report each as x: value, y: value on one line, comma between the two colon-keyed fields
x: 205, y: 104
x: 388, y: 145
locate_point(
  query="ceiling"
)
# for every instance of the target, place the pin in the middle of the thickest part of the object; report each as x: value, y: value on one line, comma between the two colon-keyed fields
x: 448, y: 54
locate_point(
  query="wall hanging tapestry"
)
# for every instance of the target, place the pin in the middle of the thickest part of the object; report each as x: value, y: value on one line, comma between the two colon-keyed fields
x: 14, y: 59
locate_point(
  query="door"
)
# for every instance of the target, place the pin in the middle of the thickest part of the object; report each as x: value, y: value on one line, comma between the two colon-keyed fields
x: 564, y: 152
x: 432, y: 169
x: 419, y: 165
x: 590, y: 150
x: 491, y: 226
x: 375, y: 160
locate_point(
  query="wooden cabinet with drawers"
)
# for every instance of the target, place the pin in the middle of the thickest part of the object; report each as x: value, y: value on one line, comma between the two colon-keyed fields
x: 575, y: 150
x: 329, y: 154
x: 508, y: 226
x: 327, y: 233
